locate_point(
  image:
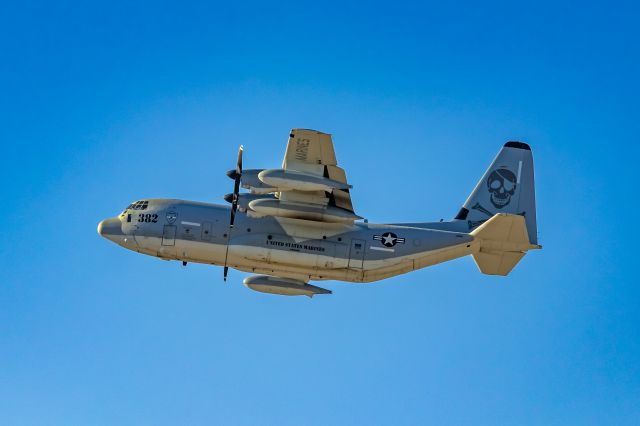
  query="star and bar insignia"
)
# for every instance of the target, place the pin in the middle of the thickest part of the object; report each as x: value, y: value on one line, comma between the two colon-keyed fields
x: 388, y: 239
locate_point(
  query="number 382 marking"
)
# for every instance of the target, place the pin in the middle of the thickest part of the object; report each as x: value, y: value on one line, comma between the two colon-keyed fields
x: 147, y: 217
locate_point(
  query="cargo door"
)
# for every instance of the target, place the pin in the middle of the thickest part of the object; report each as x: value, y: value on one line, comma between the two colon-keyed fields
x: 356, y: 253
x: 169, y: 235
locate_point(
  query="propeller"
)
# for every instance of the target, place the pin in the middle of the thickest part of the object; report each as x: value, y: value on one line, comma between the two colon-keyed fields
x: 233, y: 199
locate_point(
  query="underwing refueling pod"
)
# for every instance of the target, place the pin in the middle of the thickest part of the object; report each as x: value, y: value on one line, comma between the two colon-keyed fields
x: 282, y: 286
x: 291, y: 180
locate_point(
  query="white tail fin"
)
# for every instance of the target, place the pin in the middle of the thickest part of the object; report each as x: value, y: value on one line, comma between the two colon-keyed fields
x: 506, y: 187
x: 501, y: 242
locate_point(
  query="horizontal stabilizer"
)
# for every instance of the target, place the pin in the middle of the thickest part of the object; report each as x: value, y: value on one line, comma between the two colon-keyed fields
x: 503, y: 242
x: 500, y: 263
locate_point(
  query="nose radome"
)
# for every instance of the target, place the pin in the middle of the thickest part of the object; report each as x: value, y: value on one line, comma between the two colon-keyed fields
x: 110, y: 227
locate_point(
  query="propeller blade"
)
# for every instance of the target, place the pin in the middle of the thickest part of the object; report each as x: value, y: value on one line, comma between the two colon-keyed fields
x: 239, y: 162
x: 233, y: 198
x: 236, y: 188
x: 232, y: 219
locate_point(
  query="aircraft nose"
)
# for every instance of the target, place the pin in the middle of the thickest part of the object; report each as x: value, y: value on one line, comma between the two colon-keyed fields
x: 110, y: 227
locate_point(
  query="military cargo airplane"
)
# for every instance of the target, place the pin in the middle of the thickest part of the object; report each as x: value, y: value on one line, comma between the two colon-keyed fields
x: 297, y: 224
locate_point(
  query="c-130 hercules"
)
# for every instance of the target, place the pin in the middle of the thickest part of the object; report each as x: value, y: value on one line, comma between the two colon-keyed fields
x: 297, y: 224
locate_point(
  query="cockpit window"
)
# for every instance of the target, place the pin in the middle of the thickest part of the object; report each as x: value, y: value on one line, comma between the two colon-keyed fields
x: 138, y: 205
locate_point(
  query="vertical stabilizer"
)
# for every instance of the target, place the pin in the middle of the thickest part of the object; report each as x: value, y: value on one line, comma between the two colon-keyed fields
x: 506, y: 187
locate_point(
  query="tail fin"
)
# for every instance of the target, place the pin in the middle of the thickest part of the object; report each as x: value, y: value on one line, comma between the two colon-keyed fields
x: 506, y: 187
x: 501, y: 242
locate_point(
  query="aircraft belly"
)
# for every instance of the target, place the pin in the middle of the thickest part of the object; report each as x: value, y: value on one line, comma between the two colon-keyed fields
x: 272, y: 256
x: 192, y: 251
x: 310, y: 261
x: 331, y: 262
x: 310, y: 254
x: 200, y: 251
x: 147, y: 245
x: 434, y: 257
x: 384, y: 268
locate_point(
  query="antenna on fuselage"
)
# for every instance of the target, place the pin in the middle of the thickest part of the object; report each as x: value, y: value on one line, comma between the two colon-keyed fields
x: 235, y: 175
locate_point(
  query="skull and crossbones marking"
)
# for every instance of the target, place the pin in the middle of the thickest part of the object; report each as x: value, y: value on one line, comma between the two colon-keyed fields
x: 502, y: 186
x: 478, y: 206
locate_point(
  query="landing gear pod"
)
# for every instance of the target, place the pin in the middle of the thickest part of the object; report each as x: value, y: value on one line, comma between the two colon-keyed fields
x: 282, y: 286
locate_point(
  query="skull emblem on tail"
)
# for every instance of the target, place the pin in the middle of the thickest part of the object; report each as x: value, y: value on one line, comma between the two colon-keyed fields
x: 502, y: 186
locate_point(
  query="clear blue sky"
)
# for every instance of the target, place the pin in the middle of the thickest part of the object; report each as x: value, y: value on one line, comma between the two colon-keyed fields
x: 112, y: 102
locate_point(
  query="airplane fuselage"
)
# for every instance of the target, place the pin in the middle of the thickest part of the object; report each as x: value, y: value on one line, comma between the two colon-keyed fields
x: 301, y: 249
x: 297, y: 224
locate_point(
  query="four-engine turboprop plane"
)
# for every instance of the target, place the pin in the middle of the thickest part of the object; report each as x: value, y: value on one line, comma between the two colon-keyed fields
x: 297, y: 224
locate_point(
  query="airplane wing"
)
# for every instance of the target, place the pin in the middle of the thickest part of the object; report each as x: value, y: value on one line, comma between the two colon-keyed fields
x: 311, y: 152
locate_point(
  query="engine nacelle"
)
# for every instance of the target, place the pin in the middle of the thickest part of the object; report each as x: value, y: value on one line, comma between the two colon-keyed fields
x: 244, y: 199
x: 282, y: 286
x: 287, y: 180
